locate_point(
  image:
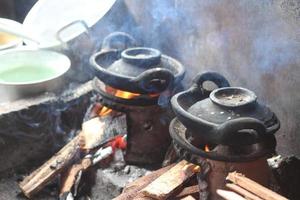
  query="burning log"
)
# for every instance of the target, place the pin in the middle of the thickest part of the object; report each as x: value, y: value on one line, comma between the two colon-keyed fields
x: 91, y: 136
x: 253, y: 187
x: 71, y: 178
x: 228, y: 195
x: 166, y: 184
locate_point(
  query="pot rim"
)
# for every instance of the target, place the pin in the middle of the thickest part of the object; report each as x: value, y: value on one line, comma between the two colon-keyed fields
x: 215, y: 93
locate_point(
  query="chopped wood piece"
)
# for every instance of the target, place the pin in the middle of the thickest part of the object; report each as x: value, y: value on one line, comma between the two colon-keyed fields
x: 168, y: 182
x: 69, y: 177
x: 243, y: 192
x: 188, y: 191
x: 131, y: 190
x: 92, y: 133
x: 228, y: 195
x: 44, y: 174
x: 88, y: 138
x: 100, y: 129
x: 254, y: 187
x: 188, y: 198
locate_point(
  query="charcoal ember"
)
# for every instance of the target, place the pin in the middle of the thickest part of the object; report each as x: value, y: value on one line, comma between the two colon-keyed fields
x: 33, y: 129
x: 287, y: 174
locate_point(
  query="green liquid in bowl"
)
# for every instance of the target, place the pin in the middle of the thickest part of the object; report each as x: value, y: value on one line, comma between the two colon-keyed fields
x: 27, y: 74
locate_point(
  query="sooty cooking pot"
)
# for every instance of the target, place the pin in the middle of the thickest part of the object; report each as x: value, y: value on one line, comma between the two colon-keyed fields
x: 139, y: 70
x: 227, y: 115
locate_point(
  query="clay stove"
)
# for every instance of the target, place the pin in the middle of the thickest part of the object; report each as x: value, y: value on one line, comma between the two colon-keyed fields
x: 229, y: 131
x: 139, y: 82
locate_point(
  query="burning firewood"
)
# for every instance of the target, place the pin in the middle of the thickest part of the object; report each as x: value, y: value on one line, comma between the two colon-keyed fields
x: 167, y: 183
x: 253, y: 187
x: 91, y: 136
x: 72, y: 176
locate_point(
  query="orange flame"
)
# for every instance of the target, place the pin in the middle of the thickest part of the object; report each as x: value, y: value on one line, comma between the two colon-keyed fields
x: 104, y: 111
x: 121, y: 94
x: 125, y: 94
x: 206, y: 148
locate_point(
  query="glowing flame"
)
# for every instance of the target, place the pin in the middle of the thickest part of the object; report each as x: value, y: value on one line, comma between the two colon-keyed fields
x: 206, y: 148
x: 104, y: 111
x: 125, y: 94
x: 121, y: 94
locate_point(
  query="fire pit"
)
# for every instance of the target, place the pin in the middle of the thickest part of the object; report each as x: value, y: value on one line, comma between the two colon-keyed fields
x: 139, y: 82
x: 228, y: 131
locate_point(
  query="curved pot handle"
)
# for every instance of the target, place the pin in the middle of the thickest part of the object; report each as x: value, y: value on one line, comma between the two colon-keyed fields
x: 154, y: 80
x: 214, y: 77
x: 228, y: 132
x: 64, y: 28
x: 119, y: 41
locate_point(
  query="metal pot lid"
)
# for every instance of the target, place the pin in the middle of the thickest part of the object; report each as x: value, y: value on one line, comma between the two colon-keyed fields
x: 47, y: 17
x: 142, y: 70
x: 224, y: 115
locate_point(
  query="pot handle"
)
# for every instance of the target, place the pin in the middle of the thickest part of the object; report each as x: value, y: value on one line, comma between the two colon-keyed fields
x: 214, y: 77
x: 64, y: 28
x: 155, y: 80
x: 228, y: 132
x: 119, y: 41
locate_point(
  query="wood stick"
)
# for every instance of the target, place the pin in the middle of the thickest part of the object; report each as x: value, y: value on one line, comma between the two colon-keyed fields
x: 131, y: 190
x: 243, y: 192
x: 254, y: 187
x: 69, y: 177
x: 228, y: 195
x: 188, y: 191
x: 44, y: 174
x: 168, y: 182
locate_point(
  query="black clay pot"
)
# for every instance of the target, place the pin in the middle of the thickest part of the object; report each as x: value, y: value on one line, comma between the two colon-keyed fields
x: 139, y: 70
x: 228, y: 115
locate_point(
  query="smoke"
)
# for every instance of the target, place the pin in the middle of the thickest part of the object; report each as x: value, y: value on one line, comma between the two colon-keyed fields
x: 255, y: 44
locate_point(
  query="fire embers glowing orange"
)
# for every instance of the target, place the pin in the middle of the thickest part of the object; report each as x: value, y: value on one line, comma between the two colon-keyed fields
x: 118, y: 93
x: 104, y: 111
x: 126, y: 95
x: 121, y: 94
x: 206, y: 148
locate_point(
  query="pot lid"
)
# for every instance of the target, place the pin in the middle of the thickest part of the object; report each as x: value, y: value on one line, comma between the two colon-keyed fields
x: 47, y: 17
